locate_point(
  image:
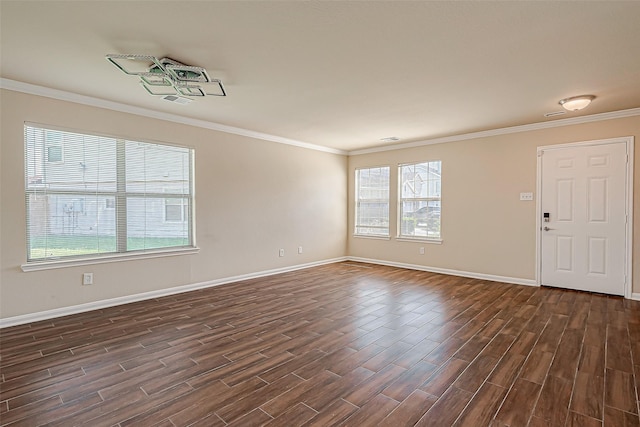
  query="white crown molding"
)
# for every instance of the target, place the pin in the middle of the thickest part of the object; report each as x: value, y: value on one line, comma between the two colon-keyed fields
x: 124, y: 108
x: 470, y: 274
x: 504, y: 131
x: 96, y: 305
x: 61, y: 95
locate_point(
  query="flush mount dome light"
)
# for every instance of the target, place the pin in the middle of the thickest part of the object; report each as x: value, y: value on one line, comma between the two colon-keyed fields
x: 167, y: 77
x: 576, y: 103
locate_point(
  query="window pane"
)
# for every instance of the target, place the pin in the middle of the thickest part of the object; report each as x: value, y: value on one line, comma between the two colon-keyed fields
x: 153, y: 168
x: 63, y: 225
x: 372, y: 201
x: 89, y: 164
x: 147, y: 227
x: 373, y: 218
x: 421, y: 219
x: 420, y: 190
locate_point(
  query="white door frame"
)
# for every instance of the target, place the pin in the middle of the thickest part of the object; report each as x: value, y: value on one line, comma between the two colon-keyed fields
x: 629, y: 141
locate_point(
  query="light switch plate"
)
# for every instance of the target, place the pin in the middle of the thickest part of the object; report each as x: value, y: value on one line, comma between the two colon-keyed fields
x: 526, y: 196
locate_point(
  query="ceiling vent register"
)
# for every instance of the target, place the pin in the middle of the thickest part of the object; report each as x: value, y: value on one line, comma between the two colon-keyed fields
x: 167, y: 77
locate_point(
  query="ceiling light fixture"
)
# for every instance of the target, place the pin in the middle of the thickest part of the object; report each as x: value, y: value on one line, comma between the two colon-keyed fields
x: 576, y: 103
x: 163, y: 77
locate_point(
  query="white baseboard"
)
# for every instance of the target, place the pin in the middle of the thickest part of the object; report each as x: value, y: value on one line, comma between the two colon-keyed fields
x: 96, y: 305
x: 481, y: 276
x: 65, y: 311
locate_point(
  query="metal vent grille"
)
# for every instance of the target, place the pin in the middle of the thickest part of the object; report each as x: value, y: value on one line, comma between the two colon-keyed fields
x: 177, y: 99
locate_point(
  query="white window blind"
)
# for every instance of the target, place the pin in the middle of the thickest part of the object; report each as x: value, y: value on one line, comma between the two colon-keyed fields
x: 420, y: 199
x: 103, y: 195
x: 372, y: 201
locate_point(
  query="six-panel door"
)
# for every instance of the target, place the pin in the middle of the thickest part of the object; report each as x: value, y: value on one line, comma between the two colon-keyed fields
x: 584, y: 238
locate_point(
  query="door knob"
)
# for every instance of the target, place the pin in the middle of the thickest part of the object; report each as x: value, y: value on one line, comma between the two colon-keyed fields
x: 547, y: 229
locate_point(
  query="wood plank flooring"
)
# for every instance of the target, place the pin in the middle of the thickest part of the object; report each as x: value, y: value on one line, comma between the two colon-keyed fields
x: 345, y: 344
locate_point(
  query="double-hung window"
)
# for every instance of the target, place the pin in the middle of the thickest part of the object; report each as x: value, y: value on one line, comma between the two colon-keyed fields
x: 372, y: 202
x: 109, y: 196
x: 420, y: 204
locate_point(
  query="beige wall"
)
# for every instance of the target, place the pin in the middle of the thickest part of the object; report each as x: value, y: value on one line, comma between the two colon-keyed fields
x: 252, y: 198
x: 486, y: 229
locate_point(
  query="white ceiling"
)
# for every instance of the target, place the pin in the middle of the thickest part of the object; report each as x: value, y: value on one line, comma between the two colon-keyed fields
x: 341, y: 74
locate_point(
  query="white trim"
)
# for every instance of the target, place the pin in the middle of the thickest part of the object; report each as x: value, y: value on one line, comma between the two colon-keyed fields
x: 119, y: 257
x: 629, y: 141
x: 538, y: 259
x: 635, y: 296
x: 628, y: 293
x: 28, y: 88
x: 419, y: 240
x: 473, y: 275
x: 372, y: 236
x: 31, y: 89
x: 96, y: 305
x: 505, y: 131
x: 66, y: 311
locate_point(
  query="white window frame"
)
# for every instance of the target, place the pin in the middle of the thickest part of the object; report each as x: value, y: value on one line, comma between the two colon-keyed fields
x: 359, y: 201
x: 401, y: 235
x: 120, y: 196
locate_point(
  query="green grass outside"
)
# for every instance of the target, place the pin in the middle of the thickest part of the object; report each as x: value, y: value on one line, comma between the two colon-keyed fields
x: 64, y: 246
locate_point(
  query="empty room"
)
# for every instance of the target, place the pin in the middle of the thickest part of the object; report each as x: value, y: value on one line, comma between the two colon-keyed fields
x: 288, y: 213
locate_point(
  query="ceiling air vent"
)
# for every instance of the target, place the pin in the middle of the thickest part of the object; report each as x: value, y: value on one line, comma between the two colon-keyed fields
x: 390, y: 139
x: 555, y: 113
x: 177, y: 99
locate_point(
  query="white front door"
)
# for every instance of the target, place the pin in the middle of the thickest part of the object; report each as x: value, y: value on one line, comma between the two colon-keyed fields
x: 583, y: 208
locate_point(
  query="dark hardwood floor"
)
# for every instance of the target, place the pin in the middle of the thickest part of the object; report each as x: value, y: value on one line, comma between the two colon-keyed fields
x: 343, y: 344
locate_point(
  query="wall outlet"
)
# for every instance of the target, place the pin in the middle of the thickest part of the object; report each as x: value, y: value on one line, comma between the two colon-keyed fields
x: 299, y: 249
x: 281, y: 253
x: 526, y: 196
x: 421, y: 250
x: 87, y: 278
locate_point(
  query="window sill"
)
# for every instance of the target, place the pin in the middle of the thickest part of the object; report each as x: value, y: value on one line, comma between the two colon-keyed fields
x: 51, y: 264
x: 419, y: 239
x: 365, y: 236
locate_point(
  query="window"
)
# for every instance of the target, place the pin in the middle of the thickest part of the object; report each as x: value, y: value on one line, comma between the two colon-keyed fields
x: 372, y: 202
x: 54, y: 154
x: 420, y: 192
x: 175, y: 210
x: 108, y: 197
